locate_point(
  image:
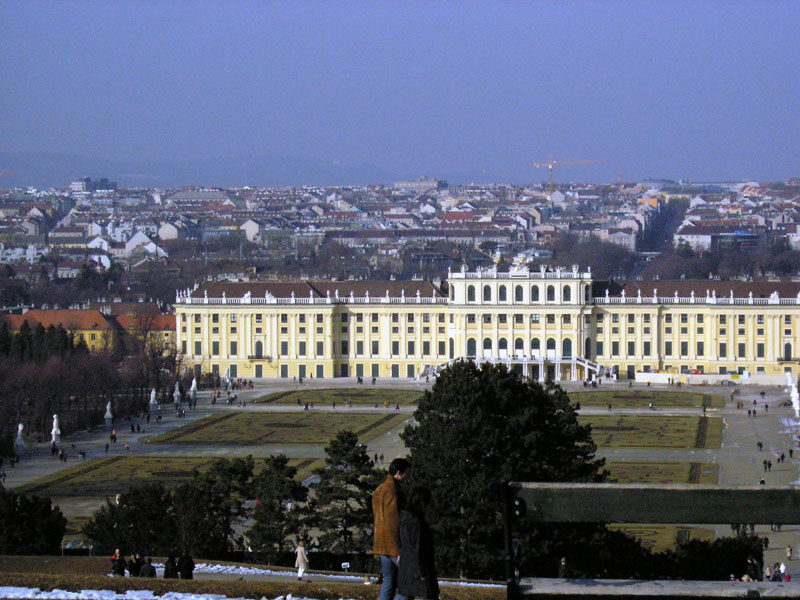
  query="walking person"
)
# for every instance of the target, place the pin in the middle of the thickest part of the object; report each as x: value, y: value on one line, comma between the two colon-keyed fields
x: 417, y: 568
x: 387, y: 501
x: 789, y: 552
x: 563, y: 571
x: 301, y: 562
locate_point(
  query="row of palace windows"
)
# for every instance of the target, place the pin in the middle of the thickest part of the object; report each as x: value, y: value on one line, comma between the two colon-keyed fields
x: 700, y: 349
x: 502, y: 293
x: 502, y: 345
x: 519, y: 319
x: 487, y: 296
x: 258, y: 348
x: 519, y: 345
x: 344, y: 317
x: 318, y: 371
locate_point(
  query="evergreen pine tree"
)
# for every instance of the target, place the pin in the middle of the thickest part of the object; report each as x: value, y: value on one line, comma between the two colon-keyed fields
x: 207, y: 506
x: 143, y: 521
x: 29, y: 524
x: 477, y: 427
x: 39, y: 343
x: 279, y: 514
x: 50, y: 340
x: 5, y: 338
x: 343, y: 495
x: 20, y: 348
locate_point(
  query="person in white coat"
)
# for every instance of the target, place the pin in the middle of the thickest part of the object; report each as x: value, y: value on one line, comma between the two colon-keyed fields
x: 301, y: 563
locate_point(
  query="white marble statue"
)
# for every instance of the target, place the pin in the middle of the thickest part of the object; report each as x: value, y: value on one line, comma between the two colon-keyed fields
x: 55, y: 433
x: 176, y: 395
x: 109, y: 416
x: 19, y: 442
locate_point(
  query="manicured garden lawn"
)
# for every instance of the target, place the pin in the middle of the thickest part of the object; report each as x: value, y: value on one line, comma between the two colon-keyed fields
x: 663, y: 537
x: 641, y: 398
x: 662, y: 472
x: 106, y: 477
x: 365, y: 395
x: 281, y: 428
x: 657, y: 431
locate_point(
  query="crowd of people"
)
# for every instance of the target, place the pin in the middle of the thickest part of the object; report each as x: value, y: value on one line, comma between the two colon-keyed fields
x: 139, y: 566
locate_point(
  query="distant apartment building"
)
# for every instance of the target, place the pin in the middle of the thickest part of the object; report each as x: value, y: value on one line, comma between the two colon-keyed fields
x: 87, y: 184
x: 419, y: 186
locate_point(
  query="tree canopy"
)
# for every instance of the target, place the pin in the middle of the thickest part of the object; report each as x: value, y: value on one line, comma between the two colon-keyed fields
x: 479, y: 426
x: 29, y: 524
x: 343, y: 495
x: 279, y: 514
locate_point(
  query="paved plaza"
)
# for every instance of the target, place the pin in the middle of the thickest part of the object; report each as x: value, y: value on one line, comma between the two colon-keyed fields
x: 739, y: 458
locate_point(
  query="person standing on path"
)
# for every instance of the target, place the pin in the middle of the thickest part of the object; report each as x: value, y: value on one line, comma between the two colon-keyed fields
x: 171, y: 568
x: 186, y: 566
x: 147, y: 570
x: 387, y: 501
x: 301, y: 563
x: 789, y: 552
x: 416, y: 577
x: 118, y: 564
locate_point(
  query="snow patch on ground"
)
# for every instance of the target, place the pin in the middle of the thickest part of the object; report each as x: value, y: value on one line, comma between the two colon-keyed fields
x: 37, y: 594
x: 237, y: 570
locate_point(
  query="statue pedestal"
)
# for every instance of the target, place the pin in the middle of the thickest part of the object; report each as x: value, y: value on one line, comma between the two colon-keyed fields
x: 109, y: 421
x: 19, y: 447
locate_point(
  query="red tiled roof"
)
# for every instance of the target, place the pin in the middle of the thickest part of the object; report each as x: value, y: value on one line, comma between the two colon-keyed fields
x: 157, y: 322
x: 68, y: 319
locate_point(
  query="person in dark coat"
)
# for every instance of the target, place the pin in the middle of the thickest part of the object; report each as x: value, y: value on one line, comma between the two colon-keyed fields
x: 118, y: 564
x: 147, y: 570
x: 563, y: 572
x: 416, y: 576
x: 135, y: 565
x: 186, y: 565
x: 170, y: 568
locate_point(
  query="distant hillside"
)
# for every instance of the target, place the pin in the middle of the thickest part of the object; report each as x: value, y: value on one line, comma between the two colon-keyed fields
x: 50, y: 169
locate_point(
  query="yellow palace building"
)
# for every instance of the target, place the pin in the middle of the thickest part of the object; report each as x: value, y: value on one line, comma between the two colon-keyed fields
x: 547, y: 324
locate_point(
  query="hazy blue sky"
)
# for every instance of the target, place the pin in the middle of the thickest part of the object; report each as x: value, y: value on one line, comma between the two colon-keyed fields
x: 699, y: 90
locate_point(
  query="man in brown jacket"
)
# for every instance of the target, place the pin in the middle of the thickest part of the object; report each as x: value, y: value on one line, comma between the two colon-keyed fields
x: 386, y: 504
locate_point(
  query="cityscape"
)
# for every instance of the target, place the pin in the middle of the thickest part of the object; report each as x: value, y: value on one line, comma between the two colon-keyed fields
x: 389, y: 301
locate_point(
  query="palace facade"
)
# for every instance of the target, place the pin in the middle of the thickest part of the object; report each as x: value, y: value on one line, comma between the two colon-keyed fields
x: 555, y: 324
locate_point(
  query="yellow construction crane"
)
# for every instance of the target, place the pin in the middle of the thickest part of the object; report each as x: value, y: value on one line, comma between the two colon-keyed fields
x: 551, y: 163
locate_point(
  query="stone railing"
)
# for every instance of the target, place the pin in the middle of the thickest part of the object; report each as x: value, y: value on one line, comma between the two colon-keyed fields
x: 188, y: 300
x: 521, y: 274
x: 715, y: 300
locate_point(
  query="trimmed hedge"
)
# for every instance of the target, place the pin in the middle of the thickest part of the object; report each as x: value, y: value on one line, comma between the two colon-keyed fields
x: 232, y: 589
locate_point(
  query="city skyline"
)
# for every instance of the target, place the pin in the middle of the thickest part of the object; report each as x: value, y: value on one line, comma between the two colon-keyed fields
x: 372, y: 92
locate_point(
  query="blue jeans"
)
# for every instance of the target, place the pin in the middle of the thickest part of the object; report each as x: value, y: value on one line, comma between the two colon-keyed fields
x: 389, y: 586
